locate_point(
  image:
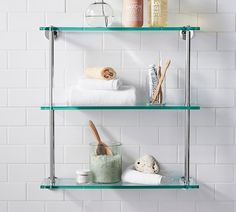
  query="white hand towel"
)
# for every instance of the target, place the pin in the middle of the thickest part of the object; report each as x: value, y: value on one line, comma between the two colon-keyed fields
x: 126, y: 95
x: 130, y: 175
x: 98, y: 84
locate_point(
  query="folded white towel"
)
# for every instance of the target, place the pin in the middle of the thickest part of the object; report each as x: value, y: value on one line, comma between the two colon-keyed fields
x: 126, y: 95
x: 98, y: 84
x: 130, y: 175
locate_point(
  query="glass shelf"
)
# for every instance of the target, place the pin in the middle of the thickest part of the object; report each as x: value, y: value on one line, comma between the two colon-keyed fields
x: 134, y: 107
x: 174, y: 183
x: 169, y: 28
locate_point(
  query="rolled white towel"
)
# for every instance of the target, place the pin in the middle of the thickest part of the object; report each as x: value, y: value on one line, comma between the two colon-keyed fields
x: 126, y: 95
x: 98, y: 84
x: 130, y: 175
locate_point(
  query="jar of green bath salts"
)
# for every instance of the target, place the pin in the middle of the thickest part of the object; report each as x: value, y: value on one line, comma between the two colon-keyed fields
x: 106, y: 166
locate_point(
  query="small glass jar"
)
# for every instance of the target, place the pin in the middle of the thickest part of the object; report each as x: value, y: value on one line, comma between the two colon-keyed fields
x: 152, y: 79
x: 106, y: 168
x: 99, y: 14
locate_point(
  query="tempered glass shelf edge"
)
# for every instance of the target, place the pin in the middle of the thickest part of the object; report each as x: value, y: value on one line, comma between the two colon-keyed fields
x: 169, y: 28
x: 71, y: 184
x: 135, y: 107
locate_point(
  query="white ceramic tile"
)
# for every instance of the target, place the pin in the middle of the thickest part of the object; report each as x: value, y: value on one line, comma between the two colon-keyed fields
x: 217, y: 22
x: 84, y: 41
x: 46, y: 6
x: 215, y: 135
x: 25, y: 173
x: 139, y: 135
x: 76, y: 154
x: 12, y: 116
x: 216, y: 60
x: 225, y: 192
x: 121, y: 40
x: 12, y: 79
x: 13, y: 6
x: 90, y: 206
x: 226, y: 6
x: 35, y: 193
x: 3, y: 97
x: 3, y: 59
x: 226, y: 154
x: 82, y: 117
x: 225, y: 117
x: 3, y: 21
x: 226, y: 41
x: 89, y: 195
x: 103, y: 58
x: 120, y: 195
x: 26, y: 97
x: 72, y: 206
x: 12, y: 154
x: 3, y: 135
x: 64, y: 19
x: 26, y: 135
x: 179, y: 206
x: 7, y: 194
x: 201, y: 6
x: 138, y: 206
x: 3, y: 173
x: 15, y: 206
x: 3, y: 206
x: 215, y: 206
x: 205, y: 193
x: 158, y: 118
x: 226, y: 79
x: 216, y: 97
x: 26, y: 59
x: 9, y: 40
x: 40, y: 154
x: 199, y: 154
x: 159, y: 41
x: 175, y: 19
x: 139, y: 59
x: 163, y: 153
x: 171, y: 135
x: 25, y: 21
x: 215, y: 173
x: 155, y: 195
x: 120, y: 118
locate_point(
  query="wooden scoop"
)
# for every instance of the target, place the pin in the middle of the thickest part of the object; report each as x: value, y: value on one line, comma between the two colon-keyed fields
x: 102, y: 148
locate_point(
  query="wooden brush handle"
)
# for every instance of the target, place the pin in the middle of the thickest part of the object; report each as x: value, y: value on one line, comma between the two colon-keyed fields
x: 161, y: 81
x: 95, y: 132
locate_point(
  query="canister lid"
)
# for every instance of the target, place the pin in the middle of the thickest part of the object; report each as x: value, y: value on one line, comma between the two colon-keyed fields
x: 83, y: 172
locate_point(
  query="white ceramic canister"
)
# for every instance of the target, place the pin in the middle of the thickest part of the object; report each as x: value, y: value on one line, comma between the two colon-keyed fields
x: 83, y: 176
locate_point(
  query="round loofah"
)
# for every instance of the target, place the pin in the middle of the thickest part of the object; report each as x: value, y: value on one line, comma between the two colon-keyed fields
x: 147, y: 164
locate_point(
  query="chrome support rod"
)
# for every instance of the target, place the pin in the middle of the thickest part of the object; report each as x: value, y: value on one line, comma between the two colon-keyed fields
x: 187, y: 113
x: 52, y: 177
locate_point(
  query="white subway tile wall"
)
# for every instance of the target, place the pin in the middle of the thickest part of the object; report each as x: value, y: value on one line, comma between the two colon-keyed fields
x: 24, y: 151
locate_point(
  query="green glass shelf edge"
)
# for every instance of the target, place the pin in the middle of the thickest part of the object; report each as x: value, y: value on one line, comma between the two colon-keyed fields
x: 169, y: 28
x: 135, y: 107
x: 71, y: 184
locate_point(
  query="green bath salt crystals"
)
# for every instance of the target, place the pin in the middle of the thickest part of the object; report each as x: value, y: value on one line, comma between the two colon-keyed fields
x: 106, y: 168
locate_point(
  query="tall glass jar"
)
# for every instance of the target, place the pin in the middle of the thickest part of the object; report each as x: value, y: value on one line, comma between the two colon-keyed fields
x: 158, y: 13
x: 132, y: 13
x: 106, y: 168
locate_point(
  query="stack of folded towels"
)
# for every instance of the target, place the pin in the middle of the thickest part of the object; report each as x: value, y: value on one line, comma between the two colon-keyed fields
x: 101, y: 86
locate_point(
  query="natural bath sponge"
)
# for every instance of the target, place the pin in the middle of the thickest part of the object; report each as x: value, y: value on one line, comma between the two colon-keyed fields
x: 147, y: 164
